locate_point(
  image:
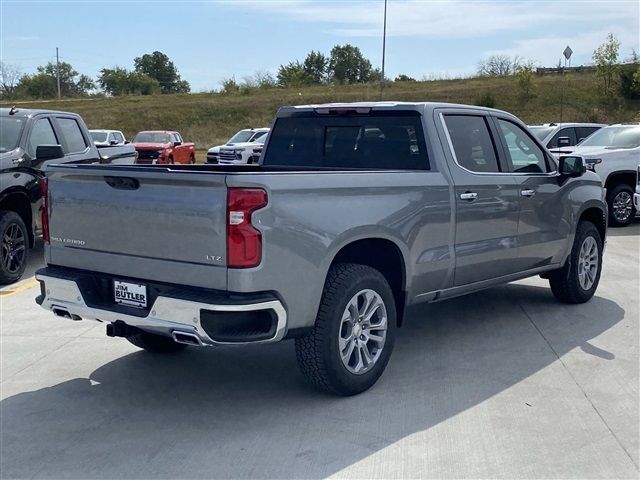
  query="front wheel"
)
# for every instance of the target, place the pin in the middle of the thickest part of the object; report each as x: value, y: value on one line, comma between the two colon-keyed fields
x: 192, y: 159
x: 352, y: 340
x: 621, y: 208
x: 14, y: 242
x: 578, y: 280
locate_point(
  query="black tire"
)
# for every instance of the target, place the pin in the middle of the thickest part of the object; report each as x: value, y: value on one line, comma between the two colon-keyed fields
x: 620, y: 203
x: 192, y: 160
x: 565, y: 283
x: 14, y: 247
x: 170, y: 160
x: 318, y: 354
x: 156, y: 343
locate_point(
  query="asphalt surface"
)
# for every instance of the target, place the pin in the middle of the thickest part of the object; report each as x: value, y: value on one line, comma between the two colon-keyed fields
x: 506, y: 383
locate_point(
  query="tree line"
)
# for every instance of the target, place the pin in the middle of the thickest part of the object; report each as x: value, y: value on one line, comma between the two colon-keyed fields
x: 152, y: 73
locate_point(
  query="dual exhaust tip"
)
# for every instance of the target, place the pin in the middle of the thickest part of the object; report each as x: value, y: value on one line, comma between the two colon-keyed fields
x: 186, y: 338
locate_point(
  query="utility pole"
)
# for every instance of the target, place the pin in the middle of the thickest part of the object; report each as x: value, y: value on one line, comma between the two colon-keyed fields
x: 58, y: 71
x: 384, y: 44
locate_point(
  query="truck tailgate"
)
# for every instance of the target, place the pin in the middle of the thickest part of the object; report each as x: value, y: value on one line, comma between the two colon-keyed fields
x: 135, y: 222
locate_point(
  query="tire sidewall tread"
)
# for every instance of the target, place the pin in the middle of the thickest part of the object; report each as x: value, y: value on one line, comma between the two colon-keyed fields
x: 318, y: 353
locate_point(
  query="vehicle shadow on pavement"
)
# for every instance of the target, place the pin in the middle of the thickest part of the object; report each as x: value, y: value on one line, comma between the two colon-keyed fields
x: 631, y: 230
x: 246, y: 412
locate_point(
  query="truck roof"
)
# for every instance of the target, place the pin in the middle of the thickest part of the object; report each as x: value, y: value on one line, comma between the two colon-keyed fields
x: 386, y: 105
x: 29, y: 112
x: 158, y: 131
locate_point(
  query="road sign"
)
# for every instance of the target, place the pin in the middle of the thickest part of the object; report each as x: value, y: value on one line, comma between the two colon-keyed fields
x: 567, y: 52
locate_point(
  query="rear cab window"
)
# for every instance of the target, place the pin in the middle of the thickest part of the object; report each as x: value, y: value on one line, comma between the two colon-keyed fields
x: 391, y: 139
x: 72, y: 134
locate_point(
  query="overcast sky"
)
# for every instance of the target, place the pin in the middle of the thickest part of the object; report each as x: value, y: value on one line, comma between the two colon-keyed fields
x: 212, y: 40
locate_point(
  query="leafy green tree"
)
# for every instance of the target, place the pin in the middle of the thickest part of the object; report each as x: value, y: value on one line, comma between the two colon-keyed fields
x: 605, y: 58
x: 9, y: 78
x: 348, y: 65
x: 39, y: 86
x: 71, y: 82
x: 524, y: 80
x: 43, y: 84
x: 315, y: 67
x: 158, y: 66
x: 292, y: 75
x: 404, y: 78
x: 120, y: 81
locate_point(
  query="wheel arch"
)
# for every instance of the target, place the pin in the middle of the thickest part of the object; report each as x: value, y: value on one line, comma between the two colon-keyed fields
x: 596, y: 215
x: 17, y: 200
x: 626, y: 177
x: 384, y: 255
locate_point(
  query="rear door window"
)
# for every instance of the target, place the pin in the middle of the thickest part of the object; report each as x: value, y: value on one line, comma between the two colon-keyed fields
x: 72, y: 134
x: 379, y: 140
x: 41, y: 134
x: 472, y: 143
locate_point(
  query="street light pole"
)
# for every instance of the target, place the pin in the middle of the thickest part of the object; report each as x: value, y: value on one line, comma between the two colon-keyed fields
x: 384, y: 45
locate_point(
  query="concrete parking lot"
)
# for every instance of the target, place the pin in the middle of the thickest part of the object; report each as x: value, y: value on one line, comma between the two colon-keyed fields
x: 506, y: 383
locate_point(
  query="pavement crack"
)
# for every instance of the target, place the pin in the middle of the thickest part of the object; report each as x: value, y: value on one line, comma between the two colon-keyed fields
x: 584, y: 393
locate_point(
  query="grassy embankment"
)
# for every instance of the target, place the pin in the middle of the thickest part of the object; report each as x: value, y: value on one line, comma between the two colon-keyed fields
x: 210, y: 119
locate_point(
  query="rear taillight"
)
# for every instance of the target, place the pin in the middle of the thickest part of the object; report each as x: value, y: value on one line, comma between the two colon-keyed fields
x: 244, y: 241
x: 44, y: 193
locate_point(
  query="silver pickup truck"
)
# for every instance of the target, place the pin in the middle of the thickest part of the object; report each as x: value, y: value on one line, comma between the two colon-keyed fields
x: 355, y: 212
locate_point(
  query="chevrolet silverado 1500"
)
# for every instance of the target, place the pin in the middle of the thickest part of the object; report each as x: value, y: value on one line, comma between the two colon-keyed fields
x: 354, y: 212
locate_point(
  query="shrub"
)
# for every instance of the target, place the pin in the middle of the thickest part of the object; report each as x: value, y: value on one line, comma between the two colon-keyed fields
x: 486, y: 100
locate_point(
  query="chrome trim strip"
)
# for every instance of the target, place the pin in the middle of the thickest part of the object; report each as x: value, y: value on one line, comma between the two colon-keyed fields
x: 167, y: 315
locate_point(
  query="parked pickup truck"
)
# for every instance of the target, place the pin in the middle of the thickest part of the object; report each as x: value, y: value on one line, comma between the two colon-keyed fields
x: 29, y: 141
x: 613, y: 152
x: 354, y: 212
x: 163, y: 147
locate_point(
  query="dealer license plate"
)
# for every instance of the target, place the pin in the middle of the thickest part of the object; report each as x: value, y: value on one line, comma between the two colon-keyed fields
x: 131, y: 294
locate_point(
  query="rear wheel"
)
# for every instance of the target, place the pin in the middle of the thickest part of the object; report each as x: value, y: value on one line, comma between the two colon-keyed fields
x: 578, y: 280
x: 192, y: 159
x: 13, y: 247
x: 352, y: 340
x: 155, y: 343
x: 170, y: 160
x: 621, y: 208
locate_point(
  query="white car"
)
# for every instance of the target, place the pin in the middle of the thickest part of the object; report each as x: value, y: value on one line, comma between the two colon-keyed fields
x: 107, y: 138
x: 558, y: 135
x: 239, y: 148
x: 613, y: 153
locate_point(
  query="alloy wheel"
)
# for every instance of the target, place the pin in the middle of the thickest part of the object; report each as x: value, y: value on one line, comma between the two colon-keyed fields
x: 363, y: 330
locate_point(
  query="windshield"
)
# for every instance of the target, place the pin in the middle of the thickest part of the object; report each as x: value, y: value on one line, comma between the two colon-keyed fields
x: 619, y: 136
x: 10, y: 130
x: 99, y: 136
x: 151, y: 137
x: 241, y: 137
x: 540, y: 132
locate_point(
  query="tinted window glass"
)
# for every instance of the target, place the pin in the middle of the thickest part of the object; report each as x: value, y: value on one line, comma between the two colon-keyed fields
x: 72, y: 135
x: 563, y: 132
x: 119, y: 137
x: 41, y: 134
x: 523, y: 154
x: 375, y: 141
x: 584, y: 132
x: 472, y: 143
x: 10, y: 131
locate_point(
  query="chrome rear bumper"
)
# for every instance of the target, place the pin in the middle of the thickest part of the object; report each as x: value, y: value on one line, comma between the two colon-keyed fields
x: 167, y: 316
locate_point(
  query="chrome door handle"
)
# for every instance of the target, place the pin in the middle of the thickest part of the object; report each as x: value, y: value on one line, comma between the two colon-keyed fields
x: 468, y: 196
x: 527, y: 193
